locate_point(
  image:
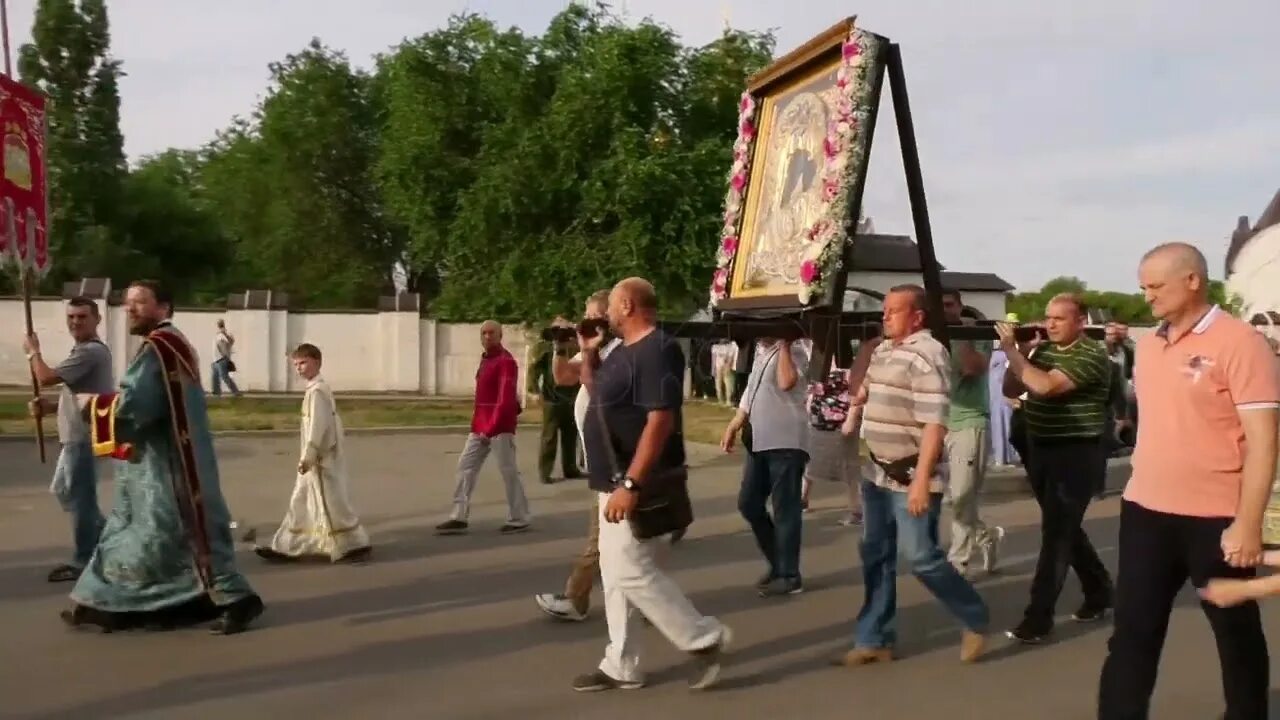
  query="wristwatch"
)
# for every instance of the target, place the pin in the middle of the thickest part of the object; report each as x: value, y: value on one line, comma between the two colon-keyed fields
x: 629, y: 484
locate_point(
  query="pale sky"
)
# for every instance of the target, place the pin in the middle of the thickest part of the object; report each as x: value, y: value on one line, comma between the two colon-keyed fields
x: 1056, y: 138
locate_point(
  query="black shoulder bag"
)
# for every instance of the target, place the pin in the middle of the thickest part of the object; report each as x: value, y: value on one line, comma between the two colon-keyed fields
x: 746, y: 433
x: 664, y: 506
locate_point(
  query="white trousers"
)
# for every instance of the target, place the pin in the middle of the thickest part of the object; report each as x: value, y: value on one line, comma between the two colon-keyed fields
x: 469, y: 464
x: 635, y: 585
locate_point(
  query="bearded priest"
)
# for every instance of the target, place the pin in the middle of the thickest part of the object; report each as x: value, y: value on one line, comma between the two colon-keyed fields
x: 166, y: 556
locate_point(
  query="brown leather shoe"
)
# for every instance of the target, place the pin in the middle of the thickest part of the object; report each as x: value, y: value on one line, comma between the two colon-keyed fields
x: 972, y: 645
x: 864, y: 656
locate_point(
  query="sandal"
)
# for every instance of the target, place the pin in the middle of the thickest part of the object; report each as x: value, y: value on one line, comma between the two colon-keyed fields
x: 65, y: 573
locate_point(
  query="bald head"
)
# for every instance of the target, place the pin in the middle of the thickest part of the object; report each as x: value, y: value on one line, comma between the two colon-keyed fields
x: 490, y: 334
x: 639, y: 291
x: 633, y: 308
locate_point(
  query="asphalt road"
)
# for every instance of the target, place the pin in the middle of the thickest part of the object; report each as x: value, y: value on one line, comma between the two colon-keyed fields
x: 445, y: 628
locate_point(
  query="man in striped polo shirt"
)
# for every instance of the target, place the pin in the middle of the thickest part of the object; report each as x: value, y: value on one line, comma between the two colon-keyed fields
x: 903, y: 403
x: 1068, y: 385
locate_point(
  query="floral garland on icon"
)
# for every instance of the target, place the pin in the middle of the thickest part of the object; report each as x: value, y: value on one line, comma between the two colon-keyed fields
x: 844, y: 159
x: 845, y: 155
x: 733, y: 201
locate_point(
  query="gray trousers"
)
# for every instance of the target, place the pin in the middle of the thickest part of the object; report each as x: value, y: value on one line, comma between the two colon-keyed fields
x: 967, y: 461
x: 472, y: 459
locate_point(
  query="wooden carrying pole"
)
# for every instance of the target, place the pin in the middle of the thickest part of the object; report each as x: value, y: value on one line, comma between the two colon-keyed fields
x: 24, y: 272
x: 27, y: 282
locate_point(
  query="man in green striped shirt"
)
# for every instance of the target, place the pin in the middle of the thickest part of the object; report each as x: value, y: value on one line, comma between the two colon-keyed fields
x: 1068, y: 385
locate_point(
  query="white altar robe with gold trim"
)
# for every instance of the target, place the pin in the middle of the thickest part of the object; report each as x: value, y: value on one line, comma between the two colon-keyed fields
x: 320, y: 520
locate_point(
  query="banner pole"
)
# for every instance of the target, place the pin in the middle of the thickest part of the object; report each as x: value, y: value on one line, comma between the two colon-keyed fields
x: 24, y: 270
x: 4, y: 28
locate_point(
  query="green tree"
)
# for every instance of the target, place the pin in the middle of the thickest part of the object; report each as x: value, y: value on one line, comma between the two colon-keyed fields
x: 70, y: 61
x: 294, y: 186
x: 441, y: 95
x: 172, y: 233
x: 621, y: 172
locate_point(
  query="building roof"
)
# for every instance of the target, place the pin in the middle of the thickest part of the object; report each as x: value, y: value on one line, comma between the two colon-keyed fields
x: 974, y: 282
x: 898, y: 253
x: 886, y: 253
x: 1243, y: 232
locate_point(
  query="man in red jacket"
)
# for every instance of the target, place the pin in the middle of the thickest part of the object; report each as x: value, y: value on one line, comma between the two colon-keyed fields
x: 493, y: 428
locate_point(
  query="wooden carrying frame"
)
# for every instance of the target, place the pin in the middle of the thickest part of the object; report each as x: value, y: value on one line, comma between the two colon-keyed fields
x: 822, y: 320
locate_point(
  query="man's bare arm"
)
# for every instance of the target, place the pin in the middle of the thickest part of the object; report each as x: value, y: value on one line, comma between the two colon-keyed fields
x: 932, y: 438
x: 1036, y: 381
x: 45, y: 375
x: 1012, y: 387
x: 1260, y: 428
x: 786, y: 375
x: 564, y: 371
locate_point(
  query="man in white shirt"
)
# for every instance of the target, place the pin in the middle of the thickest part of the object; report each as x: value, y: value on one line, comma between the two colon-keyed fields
x: 576, y: 599
x: 222, y: 365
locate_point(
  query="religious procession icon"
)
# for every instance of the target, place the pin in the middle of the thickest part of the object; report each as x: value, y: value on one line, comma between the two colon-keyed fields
x: 792, y: 212
x: 799, y: 164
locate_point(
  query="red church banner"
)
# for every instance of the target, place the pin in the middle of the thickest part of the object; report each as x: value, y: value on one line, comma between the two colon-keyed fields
x: 24, y: 222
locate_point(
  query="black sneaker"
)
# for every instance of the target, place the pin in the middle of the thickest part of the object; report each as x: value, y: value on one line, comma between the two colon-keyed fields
x: 780, y: 587
x: 1029, y: 634
x: 598, y: 681
x: 451, y: 527
x: 708, y: 661
x: 1091, y: 612
x: 512, y: 528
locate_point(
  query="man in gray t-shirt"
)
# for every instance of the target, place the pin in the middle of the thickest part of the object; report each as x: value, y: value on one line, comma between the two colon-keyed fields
x: 773, y: 402
x: 86, y: 369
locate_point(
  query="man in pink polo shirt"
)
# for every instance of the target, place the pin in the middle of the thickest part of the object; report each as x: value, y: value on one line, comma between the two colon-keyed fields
x: 1208, y: 390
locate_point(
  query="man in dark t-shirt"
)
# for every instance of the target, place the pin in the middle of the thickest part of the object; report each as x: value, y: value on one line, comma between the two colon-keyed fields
x: 636, y: 395
x: 633, y: 381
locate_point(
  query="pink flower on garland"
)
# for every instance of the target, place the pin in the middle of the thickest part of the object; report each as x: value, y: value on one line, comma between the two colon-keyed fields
x: 747, y: 130
x: 808, y: 271
x: 739, y: 181
x: 729, y: 244
x: 720, y: 280
x: 828, y: 147
x: 850, y: 50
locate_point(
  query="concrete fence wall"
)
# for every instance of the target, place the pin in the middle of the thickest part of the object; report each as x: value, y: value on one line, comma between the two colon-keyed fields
x: 373, y: 351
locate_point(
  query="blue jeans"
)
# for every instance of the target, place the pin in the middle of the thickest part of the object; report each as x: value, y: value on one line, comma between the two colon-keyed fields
x: 222, y: 374
x: 886, y: 524
x: 77, y: 481
x: 775, y: 475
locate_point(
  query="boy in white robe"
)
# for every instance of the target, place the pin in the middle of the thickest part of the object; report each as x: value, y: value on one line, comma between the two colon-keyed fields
x: 320, y: 522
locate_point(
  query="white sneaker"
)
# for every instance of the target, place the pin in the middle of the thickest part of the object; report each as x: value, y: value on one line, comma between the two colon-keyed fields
x: 991, y: 548
x: 558, y: 607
